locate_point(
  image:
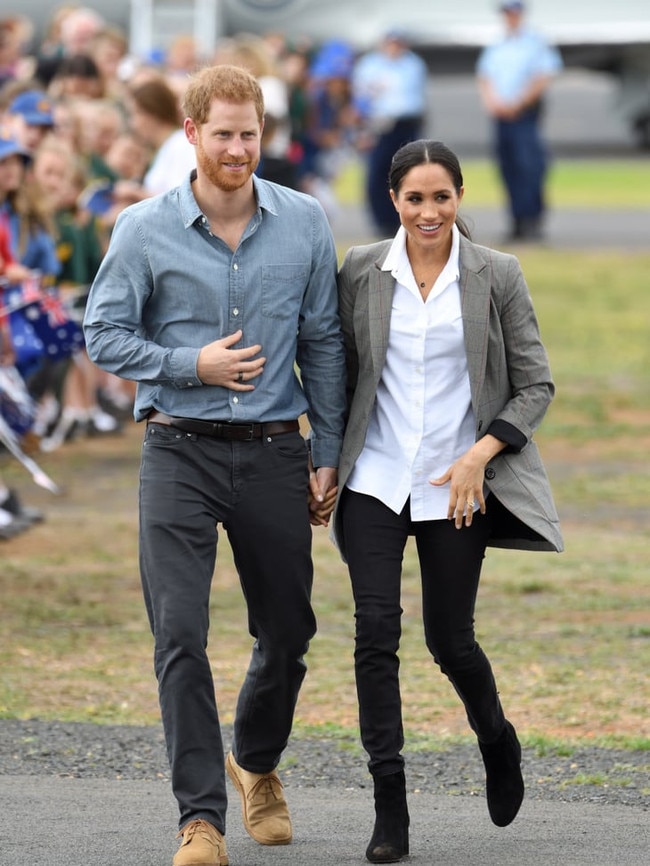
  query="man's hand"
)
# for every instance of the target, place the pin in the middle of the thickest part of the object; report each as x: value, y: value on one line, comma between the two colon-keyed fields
x: 322, y: 494
x: 218, y: 364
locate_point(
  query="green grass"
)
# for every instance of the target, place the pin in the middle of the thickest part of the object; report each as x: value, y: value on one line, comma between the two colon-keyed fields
x: 609, y: 185
x: 601, y: 185
x: 591, y: 309
x: 569, y: 635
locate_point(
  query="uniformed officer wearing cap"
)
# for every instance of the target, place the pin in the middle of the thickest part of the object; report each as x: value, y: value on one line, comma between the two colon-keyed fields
x: 513, y: 75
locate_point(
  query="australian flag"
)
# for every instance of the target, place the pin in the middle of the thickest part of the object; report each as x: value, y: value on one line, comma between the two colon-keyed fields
x: 41, y: 327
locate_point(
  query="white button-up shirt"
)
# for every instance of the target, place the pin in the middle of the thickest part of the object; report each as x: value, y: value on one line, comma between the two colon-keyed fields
x: 422, y: 420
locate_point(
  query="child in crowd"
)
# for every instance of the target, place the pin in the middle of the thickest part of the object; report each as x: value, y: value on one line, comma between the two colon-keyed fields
x: 62, y: 176
x: 14, y: 516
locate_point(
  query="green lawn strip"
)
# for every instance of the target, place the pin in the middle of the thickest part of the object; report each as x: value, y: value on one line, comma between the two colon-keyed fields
x: 572, y: 183
x: 568, y: 635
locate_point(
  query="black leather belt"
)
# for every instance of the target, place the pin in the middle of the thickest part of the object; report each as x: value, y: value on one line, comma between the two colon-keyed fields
x: 223, y: 430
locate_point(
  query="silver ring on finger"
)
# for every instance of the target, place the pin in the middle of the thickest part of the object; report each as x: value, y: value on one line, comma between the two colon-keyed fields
x: 240, y: 377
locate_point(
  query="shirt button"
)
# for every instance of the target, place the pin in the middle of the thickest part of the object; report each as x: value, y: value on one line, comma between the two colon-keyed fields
x: 235, y: 267
x: 190, y: 384
x: 235, y: 312
x: 490, y: 473
x: 235, y: 399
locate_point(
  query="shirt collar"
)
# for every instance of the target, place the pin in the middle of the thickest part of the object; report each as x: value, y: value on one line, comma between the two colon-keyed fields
x: 264, y: 194
x: 191, y: 212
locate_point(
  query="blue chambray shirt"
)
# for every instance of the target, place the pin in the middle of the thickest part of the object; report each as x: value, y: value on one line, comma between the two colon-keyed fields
x: 167, y: 287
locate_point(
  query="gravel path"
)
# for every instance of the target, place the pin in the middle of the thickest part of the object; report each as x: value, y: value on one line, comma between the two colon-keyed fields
x: 603, y: 776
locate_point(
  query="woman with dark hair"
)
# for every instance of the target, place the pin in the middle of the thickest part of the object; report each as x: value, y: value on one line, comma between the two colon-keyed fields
x: 447, y: 381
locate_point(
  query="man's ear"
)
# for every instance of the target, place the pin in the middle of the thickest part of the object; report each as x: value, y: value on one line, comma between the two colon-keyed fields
x: 191, y: 131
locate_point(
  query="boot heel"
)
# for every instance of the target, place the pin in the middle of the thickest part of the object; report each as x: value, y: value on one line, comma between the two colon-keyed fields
x: 504, y: 783
x: 390, y: 837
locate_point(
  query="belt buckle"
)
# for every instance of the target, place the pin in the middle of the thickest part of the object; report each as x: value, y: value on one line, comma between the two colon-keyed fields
x: 249, y: 437
x: 238, y: 432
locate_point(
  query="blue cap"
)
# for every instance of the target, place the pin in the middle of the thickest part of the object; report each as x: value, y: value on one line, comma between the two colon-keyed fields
x: 335, y: 59
x: 10, y: 147
x: 396, y: 34
x: 35, y: 107
x: 515, y: 6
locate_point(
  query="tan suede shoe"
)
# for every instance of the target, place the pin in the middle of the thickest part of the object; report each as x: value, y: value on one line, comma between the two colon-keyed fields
x: 202, y: 845
x: 264, y: 809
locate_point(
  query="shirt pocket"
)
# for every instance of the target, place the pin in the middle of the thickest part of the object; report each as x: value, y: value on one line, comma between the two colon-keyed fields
x: 283, y: 287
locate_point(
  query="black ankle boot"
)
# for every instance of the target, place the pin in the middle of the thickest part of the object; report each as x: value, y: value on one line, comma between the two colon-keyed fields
x: 504, y: 784
x: 390, y: 838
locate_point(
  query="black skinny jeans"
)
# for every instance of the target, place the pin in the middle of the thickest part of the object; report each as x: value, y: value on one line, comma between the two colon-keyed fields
x: 450, y: 566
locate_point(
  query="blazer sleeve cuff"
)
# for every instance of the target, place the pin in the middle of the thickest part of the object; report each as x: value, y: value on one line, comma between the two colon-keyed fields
x: 508, y: 433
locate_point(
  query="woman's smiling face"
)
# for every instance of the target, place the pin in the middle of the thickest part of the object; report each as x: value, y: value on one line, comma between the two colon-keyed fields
x: 427, y: 203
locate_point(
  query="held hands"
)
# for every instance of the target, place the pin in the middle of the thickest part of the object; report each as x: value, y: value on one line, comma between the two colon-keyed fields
x: 322, y: 494
x: 218, y: 364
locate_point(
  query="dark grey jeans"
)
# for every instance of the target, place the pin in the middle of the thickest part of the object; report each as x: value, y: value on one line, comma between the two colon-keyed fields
x: 258, y: 491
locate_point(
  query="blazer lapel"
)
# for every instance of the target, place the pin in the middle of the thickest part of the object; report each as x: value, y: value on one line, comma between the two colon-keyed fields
x: 381, y: 286
x: 475, y: 281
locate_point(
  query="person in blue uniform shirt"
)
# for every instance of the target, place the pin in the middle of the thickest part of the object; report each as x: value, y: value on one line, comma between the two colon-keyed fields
x: 389, y: 94
x: 513, y: 76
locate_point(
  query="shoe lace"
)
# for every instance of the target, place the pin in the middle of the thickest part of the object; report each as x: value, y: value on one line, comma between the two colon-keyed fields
x: 197, y: 826
x: 266, y: 786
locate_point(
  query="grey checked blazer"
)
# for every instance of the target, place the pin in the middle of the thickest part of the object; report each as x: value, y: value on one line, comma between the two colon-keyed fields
x: 510, y: 379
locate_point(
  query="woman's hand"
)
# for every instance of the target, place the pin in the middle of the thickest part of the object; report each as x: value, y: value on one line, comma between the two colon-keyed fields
x: 465, y: 479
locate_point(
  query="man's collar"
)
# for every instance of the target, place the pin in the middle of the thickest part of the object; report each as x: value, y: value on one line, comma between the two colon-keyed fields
x: 191, y: 212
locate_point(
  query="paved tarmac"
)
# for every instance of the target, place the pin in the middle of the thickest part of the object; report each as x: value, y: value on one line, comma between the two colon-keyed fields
x: 49, y: 821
